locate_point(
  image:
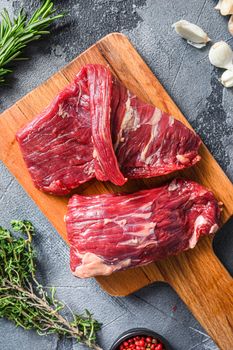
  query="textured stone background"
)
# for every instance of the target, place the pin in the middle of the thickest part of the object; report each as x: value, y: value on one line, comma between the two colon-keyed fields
x: 193, y: 83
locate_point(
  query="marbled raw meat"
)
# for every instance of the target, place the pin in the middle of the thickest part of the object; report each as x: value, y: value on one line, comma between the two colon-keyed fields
x: 57, y: 145
x: 70, y: 142
x: 100, y: 89
x: 147, y: 141
x: 111, y: 232
x: 74, y: 139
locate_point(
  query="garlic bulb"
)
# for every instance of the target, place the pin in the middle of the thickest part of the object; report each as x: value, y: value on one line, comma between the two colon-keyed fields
x: 219, y: 4
x: 221, y: 55
x: 230, y: 25
x: 227, y: 78
x: 226, y: 7
x: 194, y: 35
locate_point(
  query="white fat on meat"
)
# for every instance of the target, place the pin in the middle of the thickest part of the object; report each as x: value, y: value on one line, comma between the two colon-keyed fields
x: 147, y: 227
x: 147, y: 230
x: 121, y: 223
x: 214, y: 228
x: 144, y: 213
x: 156, y: 116
x: 154, y: 122
x: 131, y: 120
x: 61, y: 112
x: 92, y: 265
x: 130, y: 242
x: 94, y: 154
x: 89, y: 170
x: 171, y: 121
x: 182, y: 159
x: 200, y: 220
x: 173, y: 186
x: 138, y: 244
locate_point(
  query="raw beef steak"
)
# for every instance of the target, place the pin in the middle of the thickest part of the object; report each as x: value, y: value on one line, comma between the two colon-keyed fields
x: 111, y: 232
x: 147, y: 141
x: 74, y: 139
x: 57, y: 145
x: 70, y: 142
x: 100, y: 89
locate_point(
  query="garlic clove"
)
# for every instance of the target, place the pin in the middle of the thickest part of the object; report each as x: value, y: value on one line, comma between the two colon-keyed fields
x: 227, y: 78
x: 230, y: 25
x: 219, y: 4
x: 221, y: 55
x: 191, y: 32
x: 226, y: 7
x: 198, y: 46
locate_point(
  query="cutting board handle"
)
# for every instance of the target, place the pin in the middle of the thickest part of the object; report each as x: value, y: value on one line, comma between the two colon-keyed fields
x: 207, y: 289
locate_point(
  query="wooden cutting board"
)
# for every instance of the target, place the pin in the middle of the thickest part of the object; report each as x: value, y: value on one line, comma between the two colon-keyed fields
x: 197, y: 275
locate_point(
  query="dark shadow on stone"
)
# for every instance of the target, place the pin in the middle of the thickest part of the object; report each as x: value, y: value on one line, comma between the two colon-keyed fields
x: 211, y: 123
x: 223, y: 245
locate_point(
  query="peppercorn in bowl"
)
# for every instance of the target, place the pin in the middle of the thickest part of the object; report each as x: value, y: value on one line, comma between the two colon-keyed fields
x: 140, y: 339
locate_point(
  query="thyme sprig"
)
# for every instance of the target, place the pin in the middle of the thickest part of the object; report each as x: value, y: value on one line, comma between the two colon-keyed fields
x: 17, y: 33
x: 24, y: 301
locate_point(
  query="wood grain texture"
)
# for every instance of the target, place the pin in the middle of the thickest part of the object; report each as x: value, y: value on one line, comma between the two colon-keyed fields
x: 196, y: 275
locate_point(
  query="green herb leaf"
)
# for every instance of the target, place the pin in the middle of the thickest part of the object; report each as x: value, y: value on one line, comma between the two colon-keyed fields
x: 17, y: 33
x: 25, y: 302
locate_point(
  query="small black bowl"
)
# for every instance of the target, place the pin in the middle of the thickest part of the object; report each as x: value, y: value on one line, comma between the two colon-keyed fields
x: 139, y: 332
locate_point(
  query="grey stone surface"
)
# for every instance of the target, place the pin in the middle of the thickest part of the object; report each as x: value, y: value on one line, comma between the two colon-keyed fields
x: 193, y: 83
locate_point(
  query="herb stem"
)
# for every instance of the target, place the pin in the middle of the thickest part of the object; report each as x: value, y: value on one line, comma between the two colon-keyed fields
x: 16, y: 34
x: 24, y: 301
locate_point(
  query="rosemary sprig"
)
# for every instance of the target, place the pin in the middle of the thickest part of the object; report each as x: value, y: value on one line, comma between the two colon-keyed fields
x: 17, y: 33
x: 25, y: 302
